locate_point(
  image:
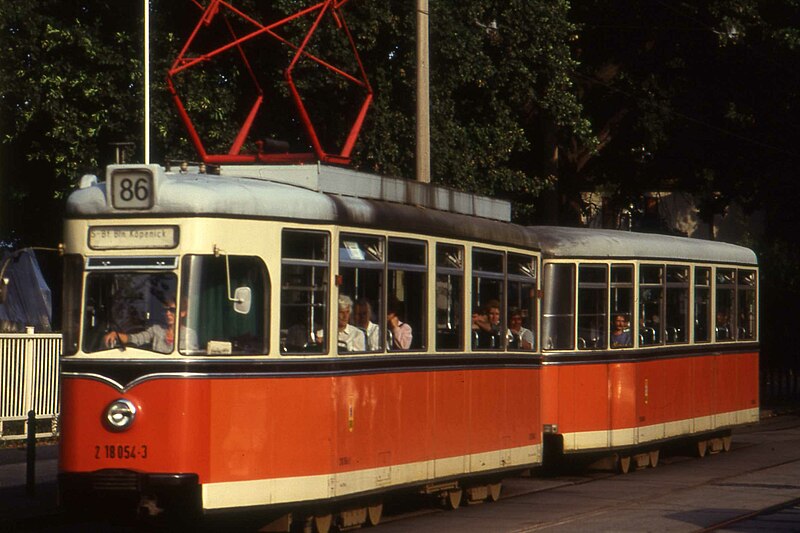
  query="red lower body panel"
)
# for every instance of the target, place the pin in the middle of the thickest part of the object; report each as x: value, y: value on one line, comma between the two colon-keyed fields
x: 608, y: 404
x: 261, y: 440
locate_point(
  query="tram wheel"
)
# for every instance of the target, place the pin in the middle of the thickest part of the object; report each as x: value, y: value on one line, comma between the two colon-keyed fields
x: 702, y: 447
x: 452, y: 499
x: 654, y: 455
x: 624, y: 464
x: 322, y: 523
x: 494, y: 491
x: 726, y: 443
x: 374, y: 513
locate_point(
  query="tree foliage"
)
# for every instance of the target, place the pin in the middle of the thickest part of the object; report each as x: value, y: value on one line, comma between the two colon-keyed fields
x: 532, y: 100
x: 63, y: 69
x: 72, y: 78
x: 690, y: 96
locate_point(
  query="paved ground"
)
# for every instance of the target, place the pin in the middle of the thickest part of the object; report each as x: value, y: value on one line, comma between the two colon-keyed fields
x: 15, y: 504
x: 683, y: 494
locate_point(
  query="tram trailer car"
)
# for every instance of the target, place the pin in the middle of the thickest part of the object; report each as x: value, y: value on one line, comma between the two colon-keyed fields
x: 646, y: 339
x: 209, y: 364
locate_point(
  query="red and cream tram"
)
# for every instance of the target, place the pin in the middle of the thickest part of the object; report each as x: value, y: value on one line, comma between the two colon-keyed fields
x: 309, y: 339
x: 295, y: 338
x: 645, y: 339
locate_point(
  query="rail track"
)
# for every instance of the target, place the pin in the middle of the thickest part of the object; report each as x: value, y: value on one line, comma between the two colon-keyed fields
x: 754, y: 486
x: 759, y: 480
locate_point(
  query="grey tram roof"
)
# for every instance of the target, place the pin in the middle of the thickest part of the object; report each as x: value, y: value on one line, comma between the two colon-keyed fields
x: 606, y: 244
x: 314, y: 194
x: 325, y: 194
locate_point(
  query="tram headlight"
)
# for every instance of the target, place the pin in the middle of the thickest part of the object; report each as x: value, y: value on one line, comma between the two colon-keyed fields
x: 120, y: 414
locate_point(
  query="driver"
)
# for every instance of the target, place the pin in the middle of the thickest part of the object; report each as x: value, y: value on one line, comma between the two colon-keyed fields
x: 161, y: 338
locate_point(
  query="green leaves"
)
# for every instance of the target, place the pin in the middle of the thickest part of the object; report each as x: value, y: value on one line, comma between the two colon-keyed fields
x: 497, y: 71
x: 522, y: 91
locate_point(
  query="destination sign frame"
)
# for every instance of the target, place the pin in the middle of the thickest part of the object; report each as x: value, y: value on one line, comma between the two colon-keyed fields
x: 162, y: 237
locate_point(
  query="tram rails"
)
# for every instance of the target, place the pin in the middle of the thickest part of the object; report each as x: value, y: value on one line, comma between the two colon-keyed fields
x: 685, y: 493
x: 754, y: 453
x: 790, y: 508
x: 258, y: 397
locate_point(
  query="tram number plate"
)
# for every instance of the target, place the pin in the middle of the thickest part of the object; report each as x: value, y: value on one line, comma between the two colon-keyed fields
x: 132, y: 189
x: 120, y: 451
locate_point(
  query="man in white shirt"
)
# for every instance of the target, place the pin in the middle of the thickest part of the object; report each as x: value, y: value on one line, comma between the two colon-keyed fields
x: 362, y: 313
x: 350, y: 338
x: 519, y: 337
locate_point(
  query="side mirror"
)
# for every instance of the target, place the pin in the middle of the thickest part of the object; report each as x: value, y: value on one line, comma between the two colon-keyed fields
x: 243, y: 298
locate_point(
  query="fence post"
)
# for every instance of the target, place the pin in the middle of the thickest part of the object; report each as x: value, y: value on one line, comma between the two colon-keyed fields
x: 28, y: 390
x: 30, y: 481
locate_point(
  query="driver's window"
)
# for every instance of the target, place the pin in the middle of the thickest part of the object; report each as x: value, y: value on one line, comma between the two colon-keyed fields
x: 133, y: 306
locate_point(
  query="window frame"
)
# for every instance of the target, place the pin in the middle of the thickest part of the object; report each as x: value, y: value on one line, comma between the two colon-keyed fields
x: 631, y: 285
x: 420, y: 340
x: 326, y: 304
x: 598, y: 287
x: 378, y: 263
x: 571, y: 276
x: 709, y: 301
x: 477, y: 302
x: 524, y: 279
x: 459, y: 272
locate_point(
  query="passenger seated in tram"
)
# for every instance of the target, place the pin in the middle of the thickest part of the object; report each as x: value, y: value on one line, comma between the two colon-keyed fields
x: 519, y: 337
x: 482, y: 333
x: 620, y: 332
x: 362, y: 314
x: 723, y: 328
x: 161, y: 338
x: 401, y: 332
x: 650, y: 330
x: 300, y: 337
x: 350, y: 338
x: 493, y: 310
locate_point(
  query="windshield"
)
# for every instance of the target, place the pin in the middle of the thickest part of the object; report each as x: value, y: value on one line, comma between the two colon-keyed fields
x: 130, y: 308
x: 216, y: 325
x: 222, y: 309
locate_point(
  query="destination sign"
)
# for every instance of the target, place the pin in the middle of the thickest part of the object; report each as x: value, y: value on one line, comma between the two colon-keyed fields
x: 132, y: 237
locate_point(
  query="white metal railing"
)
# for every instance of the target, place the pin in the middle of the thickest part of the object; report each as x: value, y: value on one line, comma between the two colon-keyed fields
x: 29, y: 381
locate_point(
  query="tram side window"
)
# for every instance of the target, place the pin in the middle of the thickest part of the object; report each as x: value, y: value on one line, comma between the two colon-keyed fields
x: 71, y: 313
x: 592, y: 320
x: 621, y: 306
x: 406, y: 306
x: 361, y: 267
x: 522, y: 302
x: 725, y: 293
x: 651, y: 298
x: 558, y: 313
x: 746, y: 280
x: 449, y: 297
x: 132, y: 303
x: 214, y: 324
x: 702, y: 304
x: 676, y: 322
x: 487, y: 299
x: 304, y: 292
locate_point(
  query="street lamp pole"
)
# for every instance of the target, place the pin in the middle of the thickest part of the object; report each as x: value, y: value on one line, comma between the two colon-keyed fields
x: 423, y: 95
x: 146, y: 82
